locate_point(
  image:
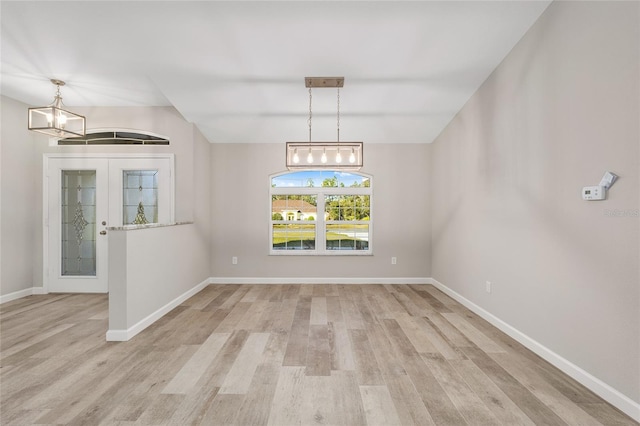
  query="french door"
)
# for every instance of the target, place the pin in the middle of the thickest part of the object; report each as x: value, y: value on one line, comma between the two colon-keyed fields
x: 84, y: 197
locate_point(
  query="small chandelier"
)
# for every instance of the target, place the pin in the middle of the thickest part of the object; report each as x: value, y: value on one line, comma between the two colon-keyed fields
x: 54, y: 120
x: 324, y: 155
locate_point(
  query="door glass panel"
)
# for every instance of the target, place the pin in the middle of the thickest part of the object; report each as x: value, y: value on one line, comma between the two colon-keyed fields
x: 140, y: 197
x: 78, y: 223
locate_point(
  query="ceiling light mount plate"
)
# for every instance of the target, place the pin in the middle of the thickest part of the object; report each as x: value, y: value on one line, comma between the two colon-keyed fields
x: 323, y: 82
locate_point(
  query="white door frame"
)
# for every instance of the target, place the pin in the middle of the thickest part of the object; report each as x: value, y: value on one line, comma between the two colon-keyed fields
x: 45, y: 195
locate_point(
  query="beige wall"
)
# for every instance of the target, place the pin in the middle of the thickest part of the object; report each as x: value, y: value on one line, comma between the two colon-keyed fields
x: 506, y: 179
x: 241, y: 213
x: 19, y: 199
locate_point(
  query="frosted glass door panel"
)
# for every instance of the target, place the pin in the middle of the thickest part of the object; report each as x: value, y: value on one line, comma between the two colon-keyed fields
x: 141, y: 190
x: 78, y: 193
x: 140, y: 197
x: 76, y: 220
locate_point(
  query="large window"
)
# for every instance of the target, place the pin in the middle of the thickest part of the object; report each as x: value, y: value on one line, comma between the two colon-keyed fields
x: 320, y: 212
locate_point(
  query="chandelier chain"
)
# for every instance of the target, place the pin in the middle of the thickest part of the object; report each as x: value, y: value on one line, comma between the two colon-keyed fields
x: 310, y: 114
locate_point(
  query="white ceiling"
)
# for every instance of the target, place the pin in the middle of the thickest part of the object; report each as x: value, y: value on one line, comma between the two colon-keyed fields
x: 236, y: 69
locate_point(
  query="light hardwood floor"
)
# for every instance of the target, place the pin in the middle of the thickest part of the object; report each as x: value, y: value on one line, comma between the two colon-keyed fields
x: 281, y: 355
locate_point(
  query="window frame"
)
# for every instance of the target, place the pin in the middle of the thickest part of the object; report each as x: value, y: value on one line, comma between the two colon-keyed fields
x: 321, y: 193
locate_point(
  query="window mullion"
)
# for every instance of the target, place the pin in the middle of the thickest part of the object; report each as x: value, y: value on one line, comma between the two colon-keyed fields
x: 321, y: 234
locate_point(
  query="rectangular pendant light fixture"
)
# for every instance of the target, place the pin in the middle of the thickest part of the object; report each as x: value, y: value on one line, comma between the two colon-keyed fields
x: 324, y: 155
x: 55, y: 121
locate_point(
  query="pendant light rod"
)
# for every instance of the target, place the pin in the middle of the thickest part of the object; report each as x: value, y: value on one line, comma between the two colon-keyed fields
x: 338, y: 115
x: 310, y: 114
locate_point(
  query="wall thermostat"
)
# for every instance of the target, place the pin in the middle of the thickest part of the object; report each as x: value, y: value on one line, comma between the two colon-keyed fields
x: 593, y: 193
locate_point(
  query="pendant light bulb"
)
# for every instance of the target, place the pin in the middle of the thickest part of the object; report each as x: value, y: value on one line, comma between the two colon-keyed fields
x: 62, y: 119
x: 296, y: 158
x: 324, y: 156
x: 338, y: 157
x: 352, y: 156
x: 310, y: 157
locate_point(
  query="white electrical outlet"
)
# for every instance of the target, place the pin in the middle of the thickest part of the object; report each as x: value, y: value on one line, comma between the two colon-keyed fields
x: 394, y: 260
x: 488, y: 286
x: 234, y: 260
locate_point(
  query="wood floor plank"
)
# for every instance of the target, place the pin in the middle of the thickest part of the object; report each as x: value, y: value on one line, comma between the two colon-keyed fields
x: 317, y: 405
x: 287, y: 400
x: 545, y: 392
x: 191, y: 372
x: 239, y: 377
x: 408, y: 305
x: 231, y: 320
x: 409, y: 406
x: 392, y: 304
x: 318, y: 353
x: 414, y: 333
x: 81, y: 373
x: 367, y: 369
x: 352, y: 316
x: 440, y: 407
x: 435, y: 303
x: 256, y: 405
x: 334, y: 309
x: 252, y: 319
x: 218, y: 301
x: 32, y: 340
x: 215, y: 374
x: 466, y: 401
x: 114, y: 387
x: 223, y: 410
x: 606, y: 414
x: 160, y: 410
x: 438, y: 340
x: 276, y: 347
x: 538, y: 412
x: 194, y: 406
x: 141, y: 395
x: 378, y: 406
x: 284, y: 318
x: 388, y: 361
x: 264, y: 323
x: 296, y: 354
x: 201, y: 331
x: 473, y: 334
x: 505, y: 410
x: 448, y: 330
x: 340, y: 349
x: 346, y: 398
x: 318, y: 311
x: 379, y: 308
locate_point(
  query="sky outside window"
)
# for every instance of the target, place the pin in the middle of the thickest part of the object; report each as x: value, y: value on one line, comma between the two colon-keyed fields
x: 316, y: 177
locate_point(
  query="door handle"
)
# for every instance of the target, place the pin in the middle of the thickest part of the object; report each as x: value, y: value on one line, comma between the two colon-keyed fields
x: 103, y: 232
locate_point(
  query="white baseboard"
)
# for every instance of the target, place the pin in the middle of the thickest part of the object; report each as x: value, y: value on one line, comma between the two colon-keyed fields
x: 319, y: 280
x: 597, y: 386
x: 124, y: 335
x: 20, y: 294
